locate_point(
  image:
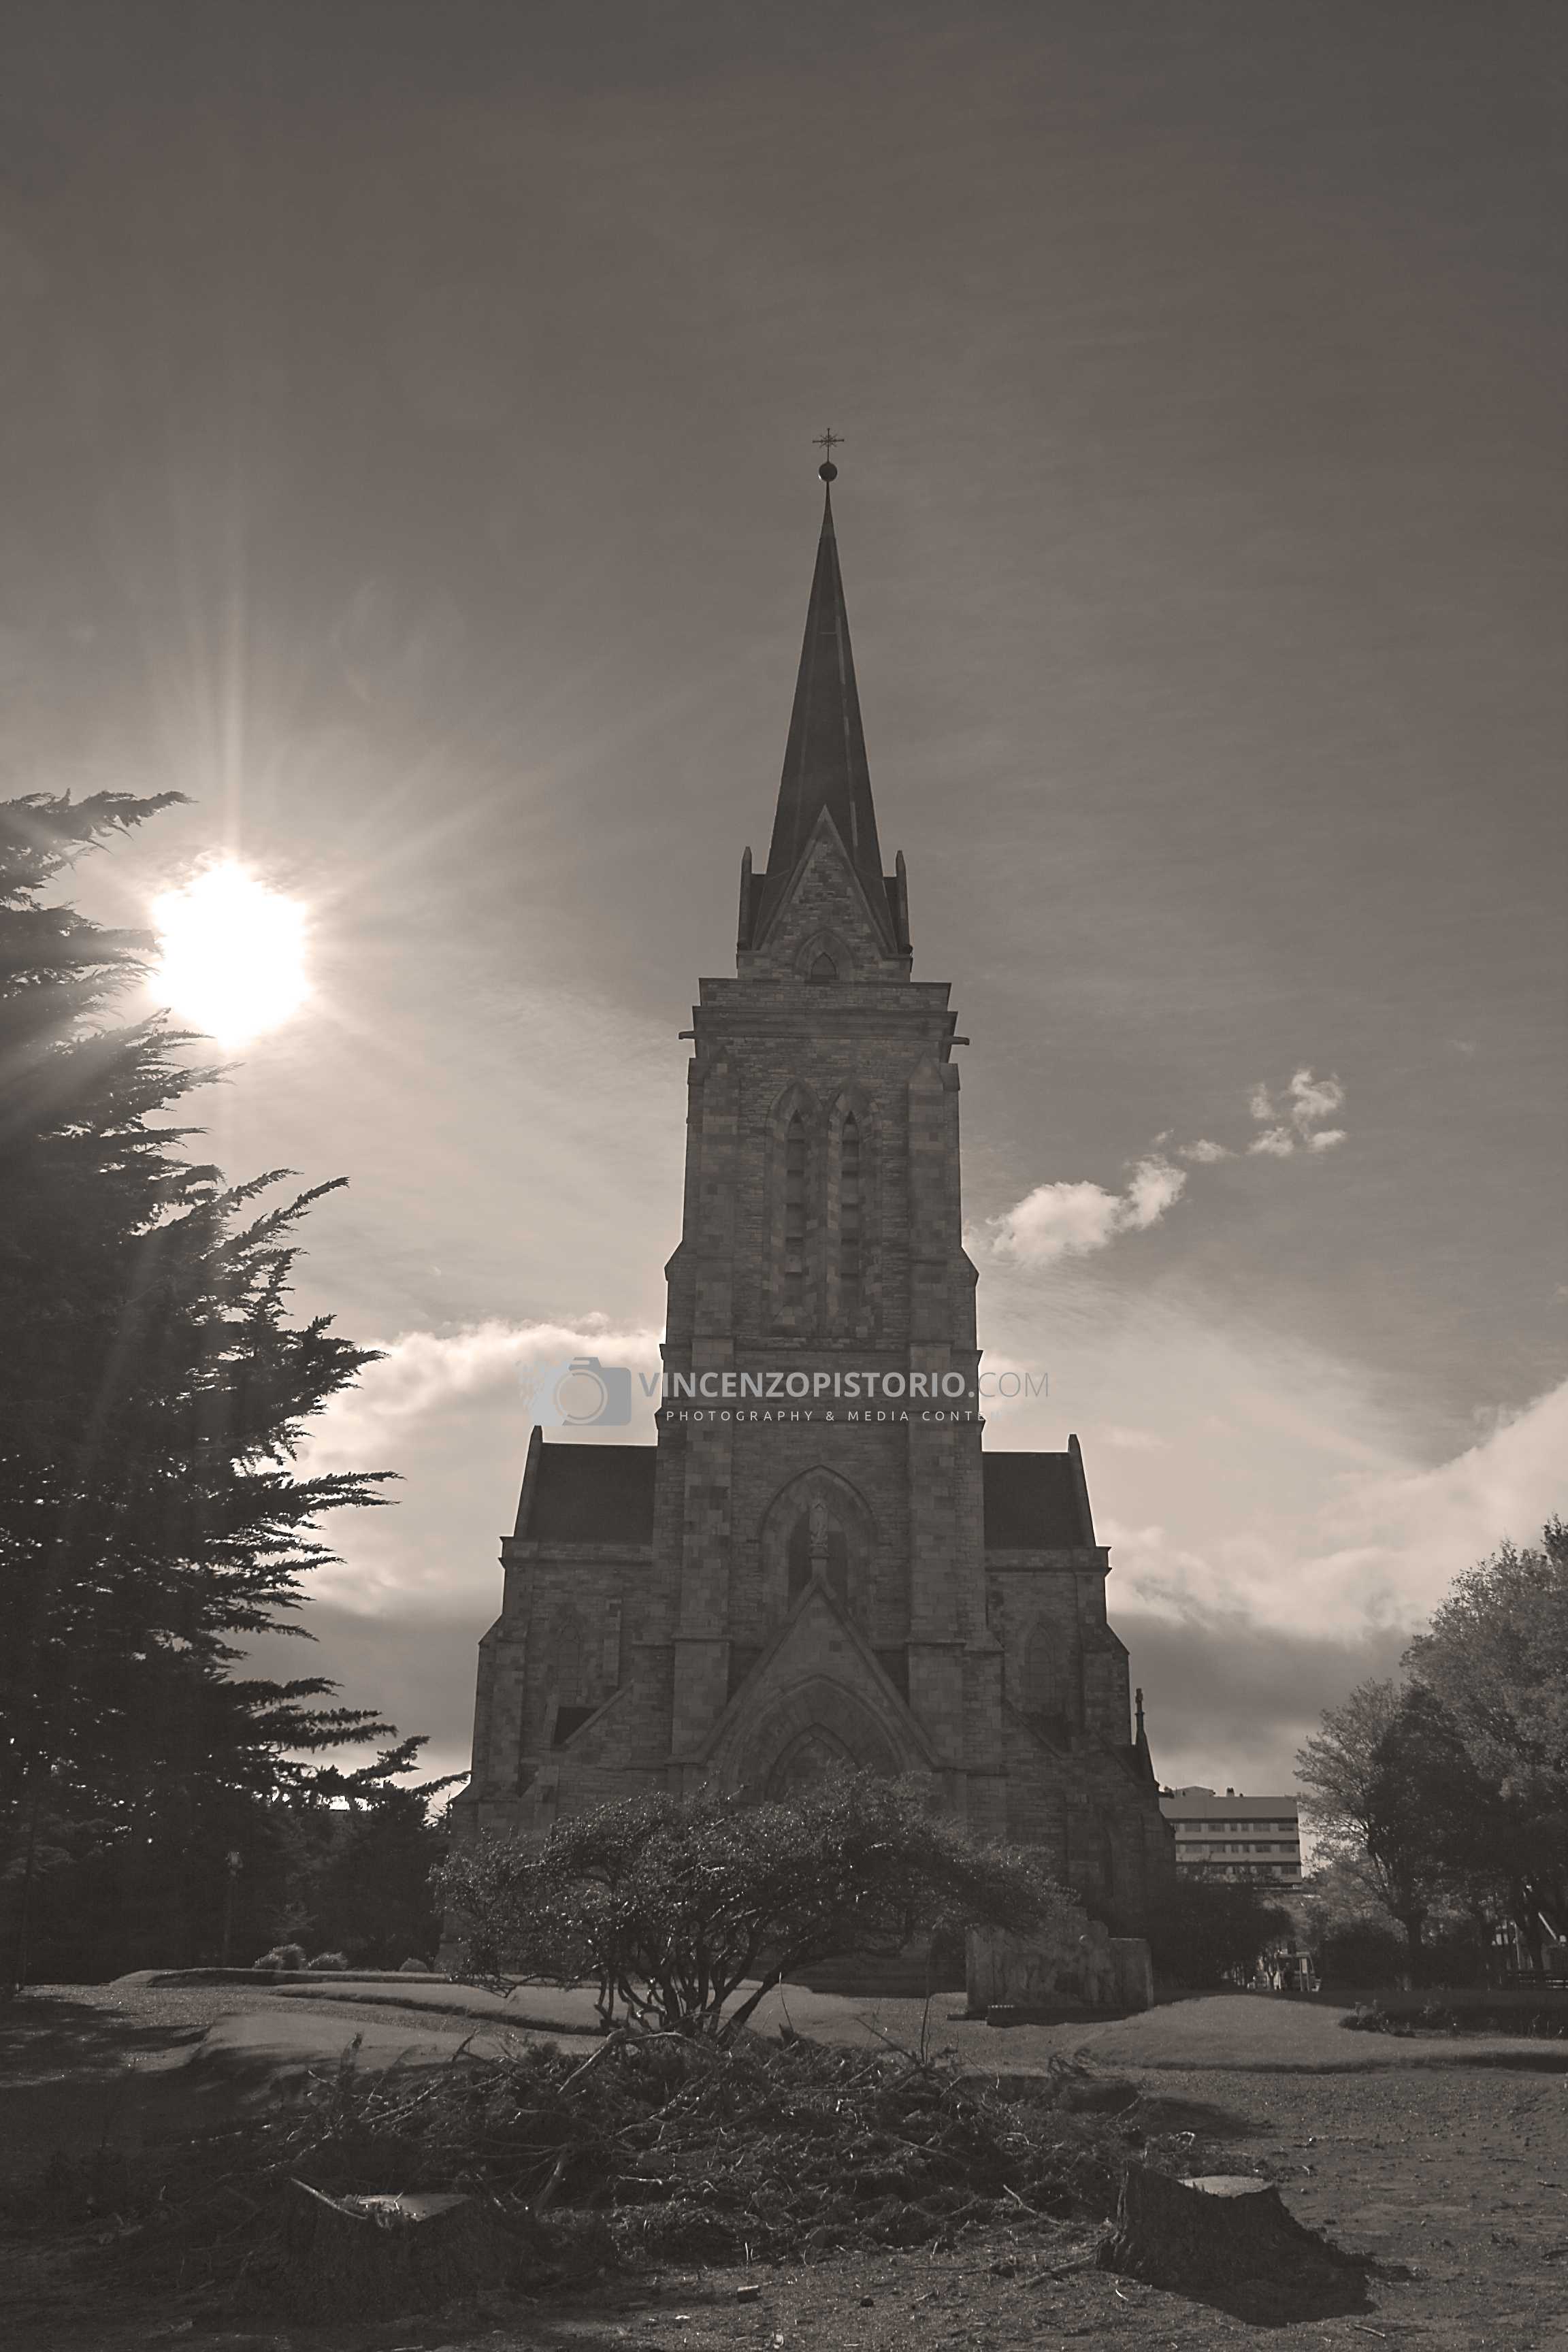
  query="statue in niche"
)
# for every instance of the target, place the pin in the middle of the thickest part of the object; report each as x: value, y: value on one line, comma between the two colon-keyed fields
x: 817, y: 1548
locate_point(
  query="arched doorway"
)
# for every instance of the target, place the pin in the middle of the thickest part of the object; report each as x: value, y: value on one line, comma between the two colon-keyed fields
x: 812, y: 1756
x: 808, y: 1731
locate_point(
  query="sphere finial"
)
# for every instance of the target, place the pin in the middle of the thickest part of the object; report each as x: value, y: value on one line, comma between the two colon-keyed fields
x: 827, y: 471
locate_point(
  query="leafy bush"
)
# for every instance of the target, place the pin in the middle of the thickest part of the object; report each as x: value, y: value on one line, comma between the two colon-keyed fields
x: 1205, y: 1933
x: 1471, y: 2016
x: 414, y: 1968
x: 672, y: 1906
x: 1361, y: 1952
x: 1455, y: 1953
x: 283, y: 1959
x: 329, y: 1964
x: 1371, y: 2017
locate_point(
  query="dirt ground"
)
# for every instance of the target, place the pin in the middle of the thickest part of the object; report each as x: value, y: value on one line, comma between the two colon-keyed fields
x: 1452, y: 2177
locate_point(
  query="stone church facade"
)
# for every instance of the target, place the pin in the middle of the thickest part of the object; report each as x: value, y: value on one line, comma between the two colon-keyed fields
x: 788, y: 1581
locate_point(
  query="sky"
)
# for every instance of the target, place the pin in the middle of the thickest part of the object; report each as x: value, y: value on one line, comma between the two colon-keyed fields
x: 407, y: 455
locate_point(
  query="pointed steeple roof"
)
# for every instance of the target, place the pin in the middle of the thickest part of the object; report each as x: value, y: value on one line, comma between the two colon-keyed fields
x: 824, y: 758
x: 1143, y: 1763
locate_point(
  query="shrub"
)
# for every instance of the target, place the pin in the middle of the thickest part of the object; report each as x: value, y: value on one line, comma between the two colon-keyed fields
x: 414, y: 1968
x: 283, y: 1959
x: 672, y: 1906
x: 1453, y: 1955
x: 1207, y: 1933
x: 1361, y: 1952
x: 329, y: 1964
x: 1370, y: 2017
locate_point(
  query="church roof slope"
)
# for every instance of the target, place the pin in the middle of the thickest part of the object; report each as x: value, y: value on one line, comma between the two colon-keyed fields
x: 592, y: 1494
x: 1036, y: 1502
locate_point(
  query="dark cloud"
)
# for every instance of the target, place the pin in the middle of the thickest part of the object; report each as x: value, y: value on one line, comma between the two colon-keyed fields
x: 1230, y: 1700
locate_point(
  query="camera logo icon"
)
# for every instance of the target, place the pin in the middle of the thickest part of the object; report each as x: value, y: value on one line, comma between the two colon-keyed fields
x: 581, y: 1394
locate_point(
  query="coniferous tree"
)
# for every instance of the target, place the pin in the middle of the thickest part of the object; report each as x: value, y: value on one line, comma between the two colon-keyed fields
x: 154, y: 1394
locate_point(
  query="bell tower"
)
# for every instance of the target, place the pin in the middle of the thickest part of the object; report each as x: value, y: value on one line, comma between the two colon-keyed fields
x: 821, y: 1252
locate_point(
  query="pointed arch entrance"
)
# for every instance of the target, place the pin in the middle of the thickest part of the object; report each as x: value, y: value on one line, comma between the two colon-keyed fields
x: 809, y: 1731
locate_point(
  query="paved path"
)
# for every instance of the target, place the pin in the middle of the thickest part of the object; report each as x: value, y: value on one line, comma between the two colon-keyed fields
x: 1230, y: 2033
x: 1254, y: 2034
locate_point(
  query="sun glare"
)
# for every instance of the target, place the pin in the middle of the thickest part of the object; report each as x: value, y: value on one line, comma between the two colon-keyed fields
x: 233, y: 954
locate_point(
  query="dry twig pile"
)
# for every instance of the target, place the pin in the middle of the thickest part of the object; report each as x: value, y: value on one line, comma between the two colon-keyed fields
x: 655, y: 2148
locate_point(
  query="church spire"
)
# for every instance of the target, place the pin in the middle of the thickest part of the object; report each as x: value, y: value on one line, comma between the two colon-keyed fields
x: 824, y: 758
x: 1143, y: 1762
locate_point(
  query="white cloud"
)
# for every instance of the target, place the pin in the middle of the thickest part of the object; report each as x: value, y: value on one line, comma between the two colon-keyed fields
x: 1127, y: 1440
x: 1058, y: 1221
x: 1379, y: 1548
x: 1073, y: 1220
x: 422, y: 1374
x: 1295, y: 1116
x: 1155, y: 1187
x: 1312, y: 1099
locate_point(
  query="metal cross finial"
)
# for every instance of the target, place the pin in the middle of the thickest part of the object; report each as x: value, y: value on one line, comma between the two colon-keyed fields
x: 828, y: 441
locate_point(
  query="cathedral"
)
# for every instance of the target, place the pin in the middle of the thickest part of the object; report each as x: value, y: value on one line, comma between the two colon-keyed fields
x: 818, y: 1562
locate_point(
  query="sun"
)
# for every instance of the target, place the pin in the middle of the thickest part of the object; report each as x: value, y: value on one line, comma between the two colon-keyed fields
x: 233, y: 961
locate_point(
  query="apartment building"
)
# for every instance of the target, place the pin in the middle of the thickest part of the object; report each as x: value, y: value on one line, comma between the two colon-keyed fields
x: 1230, y: 1836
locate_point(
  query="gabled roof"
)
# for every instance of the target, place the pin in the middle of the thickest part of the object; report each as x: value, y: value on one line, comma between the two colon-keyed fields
x: 589, y: 1494
x: 1036, y: 1502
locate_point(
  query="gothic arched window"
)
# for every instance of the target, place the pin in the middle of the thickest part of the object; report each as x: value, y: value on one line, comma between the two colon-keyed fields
x: 851, y: 1204
x: 1051, y: 1675
x: 794, y: 1162
x: 568, y: 1678
x: 822, y: 968
x: 568, y: 1660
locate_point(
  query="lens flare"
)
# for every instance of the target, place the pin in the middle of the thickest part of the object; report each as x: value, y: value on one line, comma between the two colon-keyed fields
x: 233, y: 961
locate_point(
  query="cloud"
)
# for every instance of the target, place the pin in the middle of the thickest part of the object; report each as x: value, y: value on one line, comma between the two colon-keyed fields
x: 1058, y: 1221
x: 1227, y: 1623
x: 422, y: 1373
x: 1073, y: 1220
x: 1276, y: 1531
x: 1296, y: 1116
x: 450, y: 1412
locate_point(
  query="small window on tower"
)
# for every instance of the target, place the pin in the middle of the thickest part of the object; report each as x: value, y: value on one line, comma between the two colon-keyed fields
x: 824, y: 969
